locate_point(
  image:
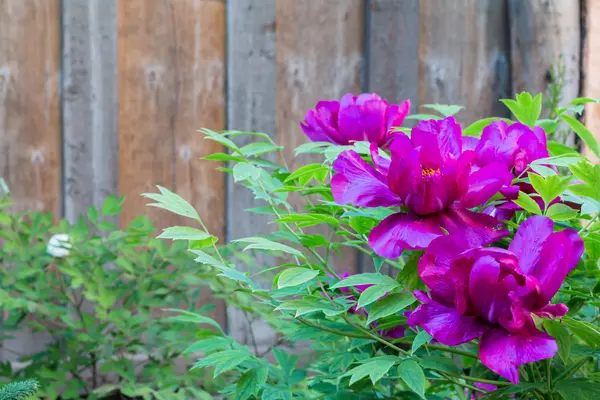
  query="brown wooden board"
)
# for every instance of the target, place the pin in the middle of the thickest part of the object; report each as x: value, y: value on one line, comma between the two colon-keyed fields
x: 319, y: 56
x: 591, y: 87
x: 251, y: 107
x: 29, y: 117
x: 544, y: 34
x: 89, y: 103
x: 171, y: 60
x: 463, y: 56
x: 393, y: 46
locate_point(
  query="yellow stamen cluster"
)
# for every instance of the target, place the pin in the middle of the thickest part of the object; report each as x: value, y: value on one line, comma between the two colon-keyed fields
x: 429, y: 172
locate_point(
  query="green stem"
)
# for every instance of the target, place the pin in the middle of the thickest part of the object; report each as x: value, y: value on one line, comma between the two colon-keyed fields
x: 586, y: 227
x: 331, y: 330
x: 465, y: 385
x: 442, y: 348
x: 573, y: 368
x: 549, y: 378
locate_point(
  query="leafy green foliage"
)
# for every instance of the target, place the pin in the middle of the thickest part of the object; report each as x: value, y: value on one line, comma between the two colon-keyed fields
x: 19, y: 390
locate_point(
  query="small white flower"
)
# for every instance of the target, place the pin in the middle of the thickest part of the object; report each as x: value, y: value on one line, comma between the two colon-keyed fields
x: 59, y: 245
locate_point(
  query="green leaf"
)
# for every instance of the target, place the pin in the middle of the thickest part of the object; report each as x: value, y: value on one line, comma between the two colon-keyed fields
x: 476, y: 128
x: 223, y: 360
x: 421, y: 339
x: 361, y: 225
x: 302, y: 307
x: 558, y: 149
x: 561, y: 212
x: 244, y: 170
x: 525, y: 108
x: 578, y: 389
x: 257, y: 148
x: 528, y: 204
x: 295, y: 276
x: 421, y: 117
x: 93, y: 214
x: 374, y: 368
x: 188, y: 316
x: 372, y: 293
x: 306, y: 220
x: 223, y: 157
x: 304, y: 174
x: 447, y: 110
x: 266, y: 244
x: 366, y: 279
x: 587, y: 332
x: 412, y: 374
x: 184, y: 233
x: 112, y: 205
x: 549, y: 187
x: 219, y: 138
x: 563, y: 339
x: 250, y: 382
x: 583, y: 133
x: 439, y: 363
x: 389, y: 305
x: 313, y: 148
x: 205, y: 258
x: 564, y: 160
x: 208, y: 345
x: 172, y: 202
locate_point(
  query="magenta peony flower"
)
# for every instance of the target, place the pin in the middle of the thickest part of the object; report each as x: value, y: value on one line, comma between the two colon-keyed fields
x: 366, y: 117
x: 515, y: 146
x: 431, y: 176
x: 493, y: 293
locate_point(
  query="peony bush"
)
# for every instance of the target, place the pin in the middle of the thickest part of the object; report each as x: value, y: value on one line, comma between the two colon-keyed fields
x: 484, y: 250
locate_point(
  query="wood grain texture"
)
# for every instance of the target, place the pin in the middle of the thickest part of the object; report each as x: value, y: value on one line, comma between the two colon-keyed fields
x: 251, y: 107
x: 29, y: 102
x: 393, y: 48
x: 463, y: 56
x: 89, y: 103
x: 29, y: 118
x: 319, y: 56
x: 544, y: 33
x: 171, y: 60
x: 592, y: 73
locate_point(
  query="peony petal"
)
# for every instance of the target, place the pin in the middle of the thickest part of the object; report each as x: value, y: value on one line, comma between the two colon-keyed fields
x: 498, y: 143
x: 489, y: 298
x: 552, y: 311
x: 469, y: 143
x: 445, y: 324
x: 374, y: 120
x: 358, y: 183
x: 503, y: 352
x: 381, y: 163
x: 351, y: 123
x: 403, y: 231
x: 317, y: 125
x: 529, y: 239
x: 483, y: 184
x: 435, y: 264
x: 447, y: 133
x: 558, y: 256
x: 477, y: 229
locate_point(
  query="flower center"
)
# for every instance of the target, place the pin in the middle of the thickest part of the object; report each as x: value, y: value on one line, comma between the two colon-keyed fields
x: 429, y: 172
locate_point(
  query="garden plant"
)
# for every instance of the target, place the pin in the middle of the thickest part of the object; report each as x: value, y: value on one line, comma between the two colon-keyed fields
x: 485, y: 247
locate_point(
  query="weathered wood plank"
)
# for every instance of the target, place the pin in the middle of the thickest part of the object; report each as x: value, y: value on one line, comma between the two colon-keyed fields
x: 463, y: 56
x: 319, y: 56
x: 171, y: 58
x: 89, y: 103
x: 393, y: 44
x: 251, y: 107
x: 545, y: 33
x: 29, y: 116
x: 591, y: 82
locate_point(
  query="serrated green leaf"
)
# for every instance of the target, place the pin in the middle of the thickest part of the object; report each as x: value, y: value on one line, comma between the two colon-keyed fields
x: 223, y: 157
x: 558, y: 149
x: 587, y: 332
x: 208, y: 345
x: 172, y: 202
x: 549, y: 187
x: 307, y: 172
x: 250, y: 382
x: 447, y: 110
x: 306, y: 220
x: 389, y: 305
x: 219, y: 138
x: 476, y: 128
x: 412, y: 374
x: 188, y: 316
x: 244, y: 170
x: 374, y: 368
x: 528, y: 204
x: 578, y: 389
x: 258, y: 148
x: 373, y: 293
x: 223, y: 360
x: 295, y: 276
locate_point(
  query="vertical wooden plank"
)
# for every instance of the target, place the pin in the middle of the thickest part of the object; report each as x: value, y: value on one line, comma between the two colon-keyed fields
x: 393, y: 49
x: 463, y: 56
x: 171, y: 58
x: 251, y: 107
x: 29, y: 115
x: 319, y: 56
x: 592, y: 74
x: 89, y: 103
x: 543, y: 32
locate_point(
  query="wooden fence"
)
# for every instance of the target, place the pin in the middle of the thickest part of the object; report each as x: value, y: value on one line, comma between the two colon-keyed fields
x: 105, y: 96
